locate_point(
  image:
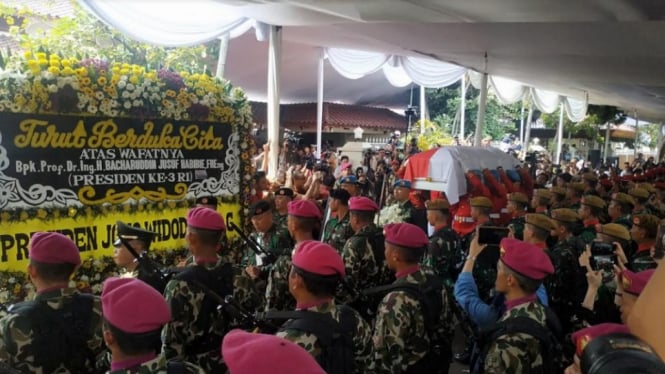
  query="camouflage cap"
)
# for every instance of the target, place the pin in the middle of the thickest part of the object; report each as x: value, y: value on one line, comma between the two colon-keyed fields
x: 558, y: 191
x: 650, y: 188
x: 481, y: 202
x: 615, y: 230
x: 541, y: 221
x: 639, y: 193
x: 648, y: 222
x: 593, y: 201
x: 541, y: 192
x: 577, y: 186
x: 437, y: 204
x: 623, y: 198
x: 518, y: 197
x: 590, y: 177
x: 565, y: 215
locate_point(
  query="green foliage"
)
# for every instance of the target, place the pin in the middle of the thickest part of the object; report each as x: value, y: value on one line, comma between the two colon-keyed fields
x: 83, y: 36
x: 435, y: 135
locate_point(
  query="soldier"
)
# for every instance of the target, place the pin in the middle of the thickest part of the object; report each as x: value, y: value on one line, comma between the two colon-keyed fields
x: 591, y: 207
x: 537, y: 229
x: 283, y: 197
x: 140, y: 241
x: 583, y: 337
x: 338, y: 229
x: 350, y: 184
x: 405, y: 338
x: 643, y: 232
x: 517, y: 203
x: 443, y: 244
x: 271, y: 237
x: 304, y: 219
x: 132, y: 333
x: 630, y: 286
x: 61, y: 329
x: 564, y: 286
x: 401, y: 191
x: 364, y: 267
x: 196, y: 330
x: 483, y: 273
x: 207, y: 202
x: 558, y: 197
x: 590, y: 179
x: 574, y: 193
x: 641, y: 197
x: 246, y: 353
x: 520, y: 271
x: 541, y: 200
x: 316, y: 272
x: 620, y: 209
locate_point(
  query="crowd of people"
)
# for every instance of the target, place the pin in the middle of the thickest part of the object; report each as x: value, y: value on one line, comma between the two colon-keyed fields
x: 529, y: 268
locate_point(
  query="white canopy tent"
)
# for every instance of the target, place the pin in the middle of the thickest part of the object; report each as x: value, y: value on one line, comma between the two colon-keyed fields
x: 607, y: 51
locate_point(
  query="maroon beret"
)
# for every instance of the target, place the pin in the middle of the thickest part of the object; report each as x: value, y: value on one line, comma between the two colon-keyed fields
x: 133, y: 306
x: 363, y: 203
x: 318, y: 258
x: 634, y: 283
x: 53, y: 248
x: 405, y: 235
x: 304, y: 209
x: 526, y: 259
x: 247, y: 353
x: 584, y: 336
x: 205, y: 218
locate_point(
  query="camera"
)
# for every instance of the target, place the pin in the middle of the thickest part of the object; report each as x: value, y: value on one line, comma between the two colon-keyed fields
x: 620, y: 353
x: 603, y: 258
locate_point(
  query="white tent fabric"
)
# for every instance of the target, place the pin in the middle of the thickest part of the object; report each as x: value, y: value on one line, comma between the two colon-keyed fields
x: 355, y: 64
x: 507, y: 91
x: 575, y: 109
x: 545, y: 101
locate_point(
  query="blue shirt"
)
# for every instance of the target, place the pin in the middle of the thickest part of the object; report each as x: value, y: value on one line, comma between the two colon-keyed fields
x: 482, y: 314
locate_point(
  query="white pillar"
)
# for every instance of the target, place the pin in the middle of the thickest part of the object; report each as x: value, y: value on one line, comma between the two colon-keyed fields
x: 221, y: 58
x: 557, y: 158
x: 606, y: 151
x: 319, y: 104
x: 522, y: 123
x: 481, y: 111
x: 637, y: 134
x: 527, y: 130
x: 462, y: 109
x: 274, y: 62
x: 423, y: 109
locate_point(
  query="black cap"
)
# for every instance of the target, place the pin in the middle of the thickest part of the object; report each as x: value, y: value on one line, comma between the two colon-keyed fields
x: 128, y: 232
x: 341, y: 195
x: 284, y: 191
x: 259, y: 207
x: 207, y: 200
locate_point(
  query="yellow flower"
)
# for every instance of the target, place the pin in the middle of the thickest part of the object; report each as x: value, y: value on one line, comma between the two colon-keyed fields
x: 85, y: 81
x: 41, y: 55
x: 56, y: 213
x: 170, y: 93
x: 23, y: 216
x: 126, y: 208
x: 66, y: 63
x: 171, y: 204
x: 9, y: 20
x: 4, y: 216
x: 124, y: 71
x: 67, y: 71
x: 101, y: 80
x: 140, y: 207
x: 54, y: 70
x: 134, y: 79
x: 72, y: 212
x: 42, y: 62
x: 27, y: 54
x: 41, y: 213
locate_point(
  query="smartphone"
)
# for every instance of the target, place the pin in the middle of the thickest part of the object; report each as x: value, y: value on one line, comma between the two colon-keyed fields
x: 491, y: 235
x: 603, y: 259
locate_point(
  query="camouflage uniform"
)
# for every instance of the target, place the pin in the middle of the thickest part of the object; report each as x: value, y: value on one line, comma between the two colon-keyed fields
x: 186, y: 330
x: 276, y: 241
x: 562, y: 287
x: 277, y: 291
x: 641, y: 261
x: 362, y: 337
x: 400, y: 336
x: 157, y: 366
x: 280, y: 220
x: 484, y: 272
x: 337, y: 232
x: 588, y: 234
x: 361, y: 266
x: 17, y: 334
x: 443, y: 245
x: 626, y: 220
x: 518, y: 226
x: 517, y: 353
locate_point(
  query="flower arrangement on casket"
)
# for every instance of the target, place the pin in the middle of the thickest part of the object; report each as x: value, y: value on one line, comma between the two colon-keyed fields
x: 391, y: 214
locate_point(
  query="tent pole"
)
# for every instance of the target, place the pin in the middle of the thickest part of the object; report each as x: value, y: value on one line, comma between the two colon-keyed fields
x: 481, y: 111
x: 527, y: 130
x: 637, y: 135
x: 274, y: 62
x: 462, y: 105
x: 522, y: 123
x: 423, y: 109
x: 557, y: 159
x: 606, y: 150
x: 319, y: 104
x: 221, y: 58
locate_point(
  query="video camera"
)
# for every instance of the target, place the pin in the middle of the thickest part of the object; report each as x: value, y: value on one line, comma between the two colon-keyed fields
x: 603, y: 258
x: 620, y: 353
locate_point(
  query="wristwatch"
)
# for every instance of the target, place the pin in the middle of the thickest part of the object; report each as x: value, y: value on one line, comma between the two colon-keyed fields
x: 470, y: 258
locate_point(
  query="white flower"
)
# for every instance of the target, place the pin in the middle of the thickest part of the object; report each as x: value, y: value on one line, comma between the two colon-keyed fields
x: 122, y: 84
x: 52, y: 88
x: 125, y: 95
x: 130, y: 87
x: 99, y: 95
x: 127, y: 105
x: 92, y: 109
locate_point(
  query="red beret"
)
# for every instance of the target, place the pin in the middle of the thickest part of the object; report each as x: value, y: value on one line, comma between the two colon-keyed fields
x: 318, y: 258
x: 363, y: 203
x: 247, y: 353
x: 526, y: 259
x: 304, y: 209
x: 405, y: 235
x: 53, y: 248
x: 634, y: 283
x: 606, y: 182
x: 133, y: 306
x: 583, y: 337
x: 205, y: 218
